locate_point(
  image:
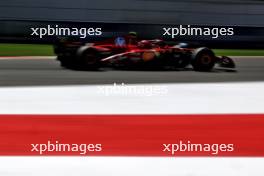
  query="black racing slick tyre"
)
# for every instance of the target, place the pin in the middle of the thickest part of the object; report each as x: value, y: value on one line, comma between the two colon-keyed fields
x: 65, y: 62
x: 203, y: 59
x: 89, y: 59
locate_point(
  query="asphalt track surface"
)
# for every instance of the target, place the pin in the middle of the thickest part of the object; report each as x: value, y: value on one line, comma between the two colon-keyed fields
x: 47, y: 72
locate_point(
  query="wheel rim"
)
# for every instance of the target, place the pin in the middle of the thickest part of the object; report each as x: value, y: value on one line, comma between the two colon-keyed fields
x: 90, y: 58
x: 206, y: 59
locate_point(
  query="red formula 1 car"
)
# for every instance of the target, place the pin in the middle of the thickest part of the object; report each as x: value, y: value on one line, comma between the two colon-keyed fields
x: 144, y: 54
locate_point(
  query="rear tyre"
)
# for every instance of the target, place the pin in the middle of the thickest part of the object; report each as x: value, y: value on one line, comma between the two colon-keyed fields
x: 203, y: 59
x: 88, y: 59
x: 65, y: 62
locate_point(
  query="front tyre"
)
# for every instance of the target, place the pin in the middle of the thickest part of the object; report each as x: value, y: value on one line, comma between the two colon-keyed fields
x: 203, y: 59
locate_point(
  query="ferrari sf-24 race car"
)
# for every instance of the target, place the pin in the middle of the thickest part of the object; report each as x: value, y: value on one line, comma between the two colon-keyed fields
x: 144, y: 54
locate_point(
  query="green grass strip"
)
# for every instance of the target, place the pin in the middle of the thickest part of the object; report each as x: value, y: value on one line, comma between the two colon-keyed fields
x: 26, y: 50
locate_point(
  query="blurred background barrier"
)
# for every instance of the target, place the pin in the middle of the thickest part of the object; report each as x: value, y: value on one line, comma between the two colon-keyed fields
x: 213, y: 12
x: 147, y: 17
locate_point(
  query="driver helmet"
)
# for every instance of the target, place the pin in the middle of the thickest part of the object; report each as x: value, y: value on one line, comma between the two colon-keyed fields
x: 132, y: 38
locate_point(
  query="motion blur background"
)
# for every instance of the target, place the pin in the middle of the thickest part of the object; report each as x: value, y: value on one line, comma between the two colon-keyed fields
x: 16, y: 17
x: 214, y: 12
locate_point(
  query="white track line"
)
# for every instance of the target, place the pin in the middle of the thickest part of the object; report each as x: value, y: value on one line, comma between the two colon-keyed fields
x: 134, y: 166
x: 202, y: 98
